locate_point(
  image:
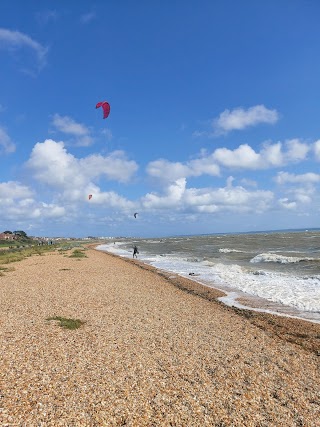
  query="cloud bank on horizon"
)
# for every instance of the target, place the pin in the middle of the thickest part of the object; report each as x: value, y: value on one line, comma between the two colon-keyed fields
x: 251, y: 166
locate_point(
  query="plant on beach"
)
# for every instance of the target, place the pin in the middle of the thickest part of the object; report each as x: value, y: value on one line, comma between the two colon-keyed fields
x: 66, y: 323
x: 4, y: 269
x: 18, y: 254
x: 78, y: 253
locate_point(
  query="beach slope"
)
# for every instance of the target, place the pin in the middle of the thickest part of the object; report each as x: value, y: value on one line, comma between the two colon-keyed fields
x: 153, y: 350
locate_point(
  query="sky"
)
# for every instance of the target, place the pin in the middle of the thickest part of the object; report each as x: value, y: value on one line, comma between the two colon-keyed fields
x: 214, y: 124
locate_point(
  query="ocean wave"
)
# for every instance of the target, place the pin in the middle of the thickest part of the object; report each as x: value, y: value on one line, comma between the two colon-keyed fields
x: 227, y: 250
x: 302, y: 293
x: 280, y: 259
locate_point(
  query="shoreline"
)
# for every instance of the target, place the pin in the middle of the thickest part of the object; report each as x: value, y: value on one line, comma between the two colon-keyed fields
x: 303, y: 332
x: 152, y: 349
x: 234, y: 297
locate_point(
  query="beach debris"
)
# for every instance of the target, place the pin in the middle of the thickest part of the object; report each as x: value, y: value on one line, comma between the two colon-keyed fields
x: 106, y: 108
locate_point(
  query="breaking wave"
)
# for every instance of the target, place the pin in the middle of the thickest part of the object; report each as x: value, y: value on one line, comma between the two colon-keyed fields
x: 281, y: 259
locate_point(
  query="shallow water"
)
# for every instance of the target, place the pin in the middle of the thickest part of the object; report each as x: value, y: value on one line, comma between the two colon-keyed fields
x: 280, y: 270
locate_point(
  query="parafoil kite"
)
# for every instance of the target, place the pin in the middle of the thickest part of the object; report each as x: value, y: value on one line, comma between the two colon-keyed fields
x: 106, y: 108
x: 90, y: 196
x: 135, y: 214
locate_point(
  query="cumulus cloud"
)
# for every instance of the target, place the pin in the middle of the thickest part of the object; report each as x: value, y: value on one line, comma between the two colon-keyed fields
x: 171, y: 199
x: 296, y: 150
x: 110, y: 199
x: 240, y: 118
x: 301, y: 188
x: 6, y: 144
x: 69, y: 126
x: 51, y: 164
x: 287, y: 204
x: 13, y: 40
x: 316, y: 148
x: 242, y: 157
x: 271, y: 155
x: 305, y: 178
x: 13, y: 190
x: 209, y: 200
x: 171, y: 171
x: 18, y: 203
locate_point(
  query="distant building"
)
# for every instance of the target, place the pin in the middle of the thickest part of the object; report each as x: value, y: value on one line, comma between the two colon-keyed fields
x: 7, y: 236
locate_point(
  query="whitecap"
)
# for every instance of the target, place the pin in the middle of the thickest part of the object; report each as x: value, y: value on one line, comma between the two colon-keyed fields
x: 281, y: 259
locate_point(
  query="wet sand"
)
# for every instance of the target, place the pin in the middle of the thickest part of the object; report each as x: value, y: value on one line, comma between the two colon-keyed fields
x: 155, y: 349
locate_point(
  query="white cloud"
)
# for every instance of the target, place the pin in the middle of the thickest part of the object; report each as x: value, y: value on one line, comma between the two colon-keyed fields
x: 306, y: 178
x: 316, y: 148
x: 51, y: 164
x: 17, y: 203
x: 242, y: 157
x: 171, y: 171
x: 110, y: 199
x: 302, y: 196
x: 12, y: 190
x: 271, y: 155
x: 287, y: 204
x: 171, y: 199
x: 249, y: 182
x: 69, y: 126
x: 6, y: 144
x: 208, y: 200
x: 67, y: 181
x: 296, y: 150
x: 12, y: 40
x: 115, y: 166
x: 300, y: 188
x: 240, y: 118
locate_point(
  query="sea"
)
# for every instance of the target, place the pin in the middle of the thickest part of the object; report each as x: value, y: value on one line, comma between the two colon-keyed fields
x: 274, y: 271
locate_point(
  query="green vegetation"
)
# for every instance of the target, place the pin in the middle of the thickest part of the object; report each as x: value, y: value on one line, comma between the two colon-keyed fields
x: 18, y: 254
x: 67, y: 323
x: 14, y: 250
x: 6, y: 268
x: 78, y: 253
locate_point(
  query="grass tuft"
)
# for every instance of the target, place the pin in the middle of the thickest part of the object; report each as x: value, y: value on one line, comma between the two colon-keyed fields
x: 78, y: 253
x: 67, y: 323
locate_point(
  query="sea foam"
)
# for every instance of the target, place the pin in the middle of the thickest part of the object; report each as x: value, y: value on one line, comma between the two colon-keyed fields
x: 282, y: 259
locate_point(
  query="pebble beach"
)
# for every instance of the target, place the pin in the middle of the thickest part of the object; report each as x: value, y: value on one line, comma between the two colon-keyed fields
x: 154, y: 350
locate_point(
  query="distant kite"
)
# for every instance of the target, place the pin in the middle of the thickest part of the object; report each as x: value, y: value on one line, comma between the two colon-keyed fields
x: 135, y: 214
x: 106, y: 108
x: 90, y: 196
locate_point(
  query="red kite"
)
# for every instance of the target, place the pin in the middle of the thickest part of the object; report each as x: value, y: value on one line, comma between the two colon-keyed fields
x: 106, y: 108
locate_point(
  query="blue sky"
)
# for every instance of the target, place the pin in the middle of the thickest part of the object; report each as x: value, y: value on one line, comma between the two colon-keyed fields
x: 214, y: 122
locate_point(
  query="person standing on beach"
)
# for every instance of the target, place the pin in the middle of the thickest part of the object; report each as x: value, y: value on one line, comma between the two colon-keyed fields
x: 135, y: 252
